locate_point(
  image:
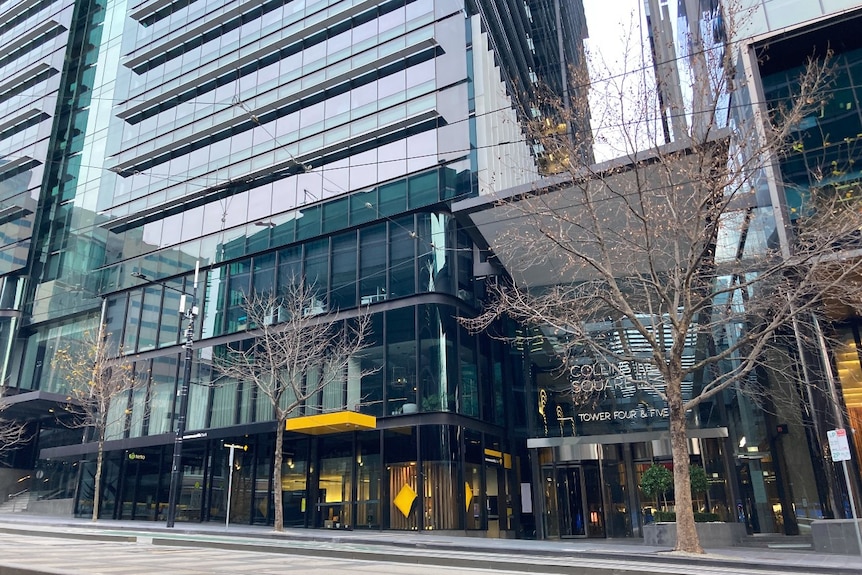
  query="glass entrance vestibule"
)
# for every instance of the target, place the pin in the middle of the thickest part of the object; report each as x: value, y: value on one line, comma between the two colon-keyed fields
x: 418, y: 477
x: 592, y: 489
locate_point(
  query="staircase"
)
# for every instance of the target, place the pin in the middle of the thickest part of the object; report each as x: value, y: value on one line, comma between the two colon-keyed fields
x: 16, y: 503
x: 777, y: 541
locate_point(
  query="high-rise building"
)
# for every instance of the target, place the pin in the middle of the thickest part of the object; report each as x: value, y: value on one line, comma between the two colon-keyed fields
x: 596, y: 427
x: 262, y: 141
x: 268, y: 140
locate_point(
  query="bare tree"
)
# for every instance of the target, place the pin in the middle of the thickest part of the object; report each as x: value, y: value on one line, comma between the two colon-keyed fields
x: 297, y: 350
x: 98, y: 381
x: 13, y: 434
x: 670, y: 247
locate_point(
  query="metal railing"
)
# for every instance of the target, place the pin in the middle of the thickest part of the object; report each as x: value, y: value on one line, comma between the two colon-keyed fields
x: 13, y: 498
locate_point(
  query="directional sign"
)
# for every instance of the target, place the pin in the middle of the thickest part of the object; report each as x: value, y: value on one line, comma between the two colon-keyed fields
x: 838, y: 444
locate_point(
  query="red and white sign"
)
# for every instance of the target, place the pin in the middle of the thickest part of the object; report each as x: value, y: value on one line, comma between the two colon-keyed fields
x: 838, y: 444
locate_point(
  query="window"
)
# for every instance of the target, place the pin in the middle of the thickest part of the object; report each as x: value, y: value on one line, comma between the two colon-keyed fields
x: 264, y: 274
x: 162, y: 394
x: 335, y: 215
x: 393, y: 198
x: 402, y: 253
x: 151, y: 312
x: 238, y: 290
x: 289, y: 266
x: 317, y: 272
x: 401, y: 361
x: 423, y: 190
x: 372, y: 271
x: 344, y: 271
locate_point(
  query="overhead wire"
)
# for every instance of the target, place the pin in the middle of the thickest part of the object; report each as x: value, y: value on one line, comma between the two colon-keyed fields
x: 323, y: 176
x: 219, y: 181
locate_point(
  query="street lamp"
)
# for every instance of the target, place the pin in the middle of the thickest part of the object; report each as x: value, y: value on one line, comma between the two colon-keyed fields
x: 190, y: 311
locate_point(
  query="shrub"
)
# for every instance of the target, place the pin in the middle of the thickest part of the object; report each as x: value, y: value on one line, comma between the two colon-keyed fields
x: 656, y: 481
x: 670, y: 517
x: 699, y: 480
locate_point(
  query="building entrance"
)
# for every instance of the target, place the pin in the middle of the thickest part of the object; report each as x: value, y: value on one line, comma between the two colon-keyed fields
x: 570, y: 499
x: 573, y: 501
x: 335, y: 483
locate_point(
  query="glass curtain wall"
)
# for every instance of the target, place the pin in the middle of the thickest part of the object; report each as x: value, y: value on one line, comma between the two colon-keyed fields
x: 474, y: 481
x: 408, y: 478
x: 401, y: 361
x: 335, y: 484
x: 369, y: 481
x: 419, y: 360
x: 440, y: 463
x: 344, y: 270
x: 400, y: 453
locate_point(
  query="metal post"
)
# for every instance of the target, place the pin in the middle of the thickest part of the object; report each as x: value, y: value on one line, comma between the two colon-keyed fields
x: 853, y: 513
x: 229, y: 485
x: 177, y: 460
x: 231, y: 459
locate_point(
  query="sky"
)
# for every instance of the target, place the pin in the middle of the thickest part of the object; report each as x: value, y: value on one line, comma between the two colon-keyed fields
x: 623, y: 101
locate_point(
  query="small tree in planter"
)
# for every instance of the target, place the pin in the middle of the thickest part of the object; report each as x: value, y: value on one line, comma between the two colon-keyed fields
x: 700, y: 484
x: 657, y: 481
x: 699, y: 480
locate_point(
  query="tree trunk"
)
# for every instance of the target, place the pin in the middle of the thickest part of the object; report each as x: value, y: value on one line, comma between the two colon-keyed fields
x: 686, y: 532
x: 97, y: 479
x: 276, y: 475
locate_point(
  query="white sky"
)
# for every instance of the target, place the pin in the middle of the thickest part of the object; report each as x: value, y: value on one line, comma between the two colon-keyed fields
x: 624, y: 113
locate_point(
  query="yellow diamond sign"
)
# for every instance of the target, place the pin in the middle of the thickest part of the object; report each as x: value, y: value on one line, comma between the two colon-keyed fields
x: 468, y: 495
x: 404, y: 500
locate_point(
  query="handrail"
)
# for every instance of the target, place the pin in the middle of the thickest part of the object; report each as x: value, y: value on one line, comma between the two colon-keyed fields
x: 13, y: 498
x: 14, y: 495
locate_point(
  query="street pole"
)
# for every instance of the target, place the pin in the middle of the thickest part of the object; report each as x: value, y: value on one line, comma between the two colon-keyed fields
x: 853, y: 513
x: 183, y: 393
x: 839, y: 448
x: 232, y: 447
x: 229, y: 486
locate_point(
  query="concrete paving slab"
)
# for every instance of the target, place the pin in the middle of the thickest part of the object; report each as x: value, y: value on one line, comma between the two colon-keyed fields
x: 191, y: 547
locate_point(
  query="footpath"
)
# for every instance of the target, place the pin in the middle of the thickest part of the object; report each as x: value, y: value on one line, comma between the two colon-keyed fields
x: 79, y: 546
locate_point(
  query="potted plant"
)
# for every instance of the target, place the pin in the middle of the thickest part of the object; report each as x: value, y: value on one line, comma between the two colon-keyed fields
x: 656, y: 482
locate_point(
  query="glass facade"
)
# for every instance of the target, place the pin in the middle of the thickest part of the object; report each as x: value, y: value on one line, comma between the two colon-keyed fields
x: 596, y: 395
x: 821, y: 160
x: 349, y: 481
x: 325, y: 142
x: 267, y: 143
x: 590, y: 419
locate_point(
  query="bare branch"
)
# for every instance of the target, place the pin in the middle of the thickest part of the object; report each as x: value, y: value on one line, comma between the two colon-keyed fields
x: 645, y: 268
x: 98, y: 384
x: 13, y: 434
x: 295, y: 356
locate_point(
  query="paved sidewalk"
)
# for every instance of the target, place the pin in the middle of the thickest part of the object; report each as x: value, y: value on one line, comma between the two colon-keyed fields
x: 207, y: 542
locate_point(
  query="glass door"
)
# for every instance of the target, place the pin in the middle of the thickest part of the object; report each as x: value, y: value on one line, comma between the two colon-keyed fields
x: 335, y: 483
x: 369, y: 481
x: 571, y: 502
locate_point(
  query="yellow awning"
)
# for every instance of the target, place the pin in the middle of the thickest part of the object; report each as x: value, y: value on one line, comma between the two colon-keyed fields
x: 337, y: 422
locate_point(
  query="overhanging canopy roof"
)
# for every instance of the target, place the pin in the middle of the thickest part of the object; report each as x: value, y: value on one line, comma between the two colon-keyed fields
x: 557, y: 203
x: 35, y: 406
x: 337, y: 422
